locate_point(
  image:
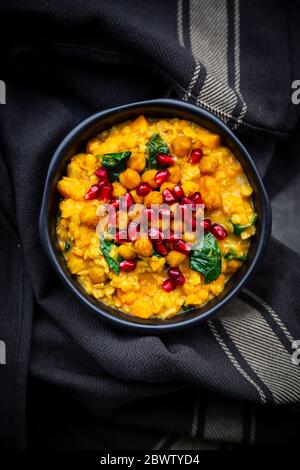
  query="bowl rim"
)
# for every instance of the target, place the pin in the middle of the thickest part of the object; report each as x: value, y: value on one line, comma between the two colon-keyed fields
x: 44, y: 228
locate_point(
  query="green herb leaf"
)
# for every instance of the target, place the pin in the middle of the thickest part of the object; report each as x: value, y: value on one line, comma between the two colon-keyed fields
x: 155, y: 145
x: 232, y: 254
x: 115, y: 164
x: 67, y: 245
x: 111, y: 160
x: 208, y: 259
x: 105, y: 247
x: 238, y: 229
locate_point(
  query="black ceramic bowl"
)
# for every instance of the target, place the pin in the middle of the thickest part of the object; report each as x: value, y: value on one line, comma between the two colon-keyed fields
x: 76, y: 140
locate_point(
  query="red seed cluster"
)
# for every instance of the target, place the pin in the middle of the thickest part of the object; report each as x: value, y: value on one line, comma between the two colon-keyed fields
x: 103, y: 191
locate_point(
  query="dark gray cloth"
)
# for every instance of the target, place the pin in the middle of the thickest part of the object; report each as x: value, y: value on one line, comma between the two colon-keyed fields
x: 71, y: 381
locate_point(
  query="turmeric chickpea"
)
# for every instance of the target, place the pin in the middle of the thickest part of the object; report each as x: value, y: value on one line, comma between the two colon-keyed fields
x: 127, y: 251
x: 136, y: 198
x: 143, y: 247
x: 130, y: 178
x: 174, y: 258
x: 175, y: 174
x: 155, y: 197
x: 181, y: 145
x: 208, y: 165
x: 148, y: 177
x: 137, y: 162
x: 118, y: 189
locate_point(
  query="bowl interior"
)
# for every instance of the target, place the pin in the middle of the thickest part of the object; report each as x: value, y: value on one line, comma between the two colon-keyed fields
x: 75, y: 142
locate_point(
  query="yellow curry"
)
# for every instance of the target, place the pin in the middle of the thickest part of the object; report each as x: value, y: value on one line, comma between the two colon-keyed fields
x: 167, y: 161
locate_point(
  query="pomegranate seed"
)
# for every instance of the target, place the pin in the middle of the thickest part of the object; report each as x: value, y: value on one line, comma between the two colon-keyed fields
x: 115, y: 203
x: 161, y: 177
x: 148, y: 213
x: 128, y: 200
x: 187, y: 200
x: 132, y: 231
x: 93, y: 192
x: 154, y: 234
x: 180, y: 280
x: 121, y: 236
x: 168, y: 196
x: 161, y: 248
x: 168, y: 285
x: 106, y: 192
x: 182, y: 247
x: 196, y: 198
x: 173, y: 238
x: 165, y: 160
x: 206, y: 224
x: 196, y: 155
x: 127, y: 265
x: 143, y: 189
x: 174, y: 273
x: 102, y: 174
x: 218, y: 231
x: 178, y: 192
x: 193, y: 224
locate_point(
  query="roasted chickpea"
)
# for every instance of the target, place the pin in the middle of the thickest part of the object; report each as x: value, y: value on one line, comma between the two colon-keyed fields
x: 130, y: 178
x: 143, y: 247
x: 174, y: 258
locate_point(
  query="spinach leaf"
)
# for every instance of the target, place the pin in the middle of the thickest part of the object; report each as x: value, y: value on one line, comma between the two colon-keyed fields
x: 238, y: 229
x: 115, y: 164
x: 154, y: 146
x: 208, y: 259
x: 232, y: 254
x: 67, y: 245
x: 105, y: 247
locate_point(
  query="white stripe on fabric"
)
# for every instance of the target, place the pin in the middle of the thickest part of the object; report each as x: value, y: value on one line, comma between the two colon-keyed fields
x: 237, y: 77
x: 180, y: 23
x: 193, y: 81
x: 223, y: 421
x: 234, y: 361
x: 273, y: 314
x: 263, y: 351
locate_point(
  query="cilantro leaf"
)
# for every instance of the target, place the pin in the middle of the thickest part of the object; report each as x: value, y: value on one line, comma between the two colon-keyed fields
x: 208, y: 259
x: 154, y: 146
x: 238, y: 229
x: 105, y: 247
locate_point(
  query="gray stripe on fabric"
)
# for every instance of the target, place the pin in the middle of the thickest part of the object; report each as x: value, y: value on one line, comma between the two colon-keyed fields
x: 234, y: 361
x: 195, y: 422
x: 263, y: 351
x: 253, y: 425
x: 223, y: 421
x: 180, y: 23
x: 192, y: 82
x: 237, y: 64
x: 272, y: 312
x: 209, y: 44
x: 161, y: 443
x: 217, y: 95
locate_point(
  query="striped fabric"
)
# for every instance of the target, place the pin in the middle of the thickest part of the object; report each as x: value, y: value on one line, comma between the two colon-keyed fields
x: 214, y: 40
x: 83, y: 384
